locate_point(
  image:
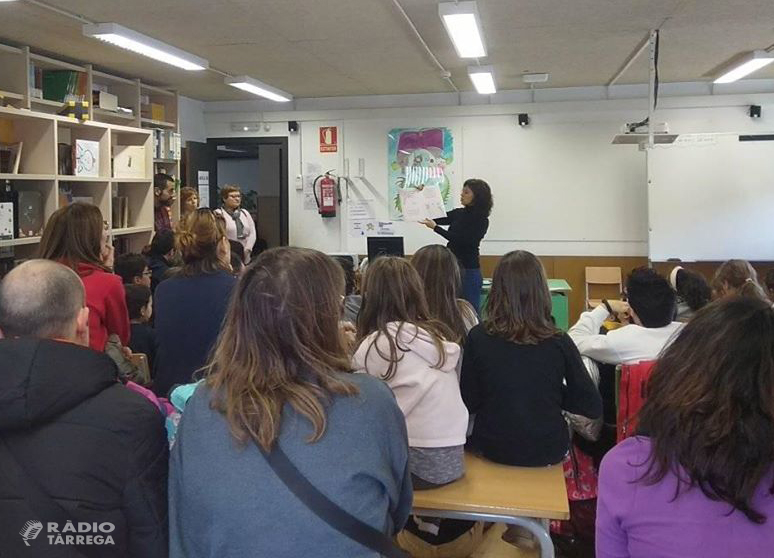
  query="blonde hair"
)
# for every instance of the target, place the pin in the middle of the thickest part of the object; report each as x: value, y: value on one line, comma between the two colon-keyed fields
x: 198, y: 238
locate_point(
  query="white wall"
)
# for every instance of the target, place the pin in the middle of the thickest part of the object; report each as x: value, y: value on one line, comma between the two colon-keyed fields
x: 560, y: 187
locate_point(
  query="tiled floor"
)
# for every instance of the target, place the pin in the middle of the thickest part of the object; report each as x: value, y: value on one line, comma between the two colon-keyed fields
x: 494, y: 547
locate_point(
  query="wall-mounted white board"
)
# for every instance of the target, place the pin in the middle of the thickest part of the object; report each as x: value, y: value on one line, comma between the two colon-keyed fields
x: 711, y: 197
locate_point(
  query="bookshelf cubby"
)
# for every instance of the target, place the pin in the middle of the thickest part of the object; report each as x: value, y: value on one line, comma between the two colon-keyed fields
x: 33, y: 121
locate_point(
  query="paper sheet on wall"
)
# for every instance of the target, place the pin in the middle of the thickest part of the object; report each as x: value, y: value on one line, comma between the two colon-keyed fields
x: 422, y: 204
x: 313, y: 170
x: 359, y: 209
x: 370, y: 227
x: 203, y: 181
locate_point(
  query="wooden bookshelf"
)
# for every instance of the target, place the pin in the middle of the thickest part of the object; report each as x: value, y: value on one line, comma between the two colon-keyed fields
x: 34, y: 122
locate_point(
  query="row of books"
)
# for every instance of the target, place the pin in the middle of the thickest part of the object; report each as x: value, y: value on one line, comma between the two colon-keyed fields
x: 57, y: 85
x: 166, y: 144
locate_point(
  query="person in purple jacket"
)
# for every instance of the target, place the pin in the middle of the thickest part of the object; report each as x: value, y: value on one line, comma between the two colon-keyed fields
x: 698, y: 479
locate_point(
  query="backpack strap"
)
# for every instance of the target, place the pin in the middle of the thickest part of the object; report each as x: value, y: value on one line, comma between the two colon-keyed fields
x: 327, y: 510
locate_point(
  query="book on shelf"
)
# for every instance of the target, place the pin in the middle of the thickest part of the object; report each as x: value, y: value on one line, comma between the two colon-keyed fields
x: 166, y: 144
x: 120, y: 212
x: 64, y: 85
x: 36, y: 81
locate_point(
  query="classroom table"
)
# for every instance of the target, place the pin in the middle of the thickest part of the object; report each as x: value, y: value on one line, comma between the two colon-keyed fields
x: 502, y: 494
x: 560, y: 307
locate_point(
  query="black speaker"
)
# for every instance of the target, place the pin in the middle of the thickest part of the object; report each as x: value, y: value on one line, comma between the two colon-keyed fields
x: 755, y: 111
x: 523, y: 119
x: 292, y: 126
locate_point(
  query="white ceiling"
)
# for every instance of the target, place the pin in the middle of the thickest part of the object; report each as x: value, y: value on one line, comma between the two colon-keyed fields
x: 322, y: 48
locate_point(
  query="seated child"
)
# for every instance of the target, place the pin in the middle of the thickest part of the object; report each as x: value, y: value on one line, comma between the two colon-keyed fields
x: 399, y: 343
x: 140, y: 305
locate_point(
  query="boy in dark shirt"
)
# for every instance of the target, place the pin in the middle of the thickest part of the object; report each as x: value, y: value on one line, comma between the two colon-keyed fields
x: 140, y: 306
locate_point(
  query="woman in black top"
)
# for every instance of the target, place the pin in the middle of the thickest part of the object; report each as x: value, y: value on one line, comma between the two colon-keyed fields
x: 519, y: 372
x: 467, y: 226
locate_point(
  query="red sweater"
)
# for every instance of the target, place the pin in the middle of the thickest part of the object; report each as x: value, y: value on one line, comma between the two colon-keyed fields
x: 107, y: 306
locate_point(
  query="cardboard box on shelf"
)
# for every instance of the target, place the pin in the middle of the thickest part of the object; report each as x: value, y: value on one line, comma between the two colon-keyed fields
x: 129, y: 161
x: 105, y: 100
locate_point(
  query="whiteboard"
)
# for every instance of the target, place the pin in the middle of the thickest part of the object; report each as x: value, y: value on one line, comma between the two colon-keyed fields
x: 711, y: 197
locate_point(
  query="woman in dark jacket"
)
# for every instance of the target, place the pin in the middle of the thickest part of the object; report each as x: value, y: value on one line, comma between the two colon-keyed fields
x: 467, y: 227
x: 190, y: 306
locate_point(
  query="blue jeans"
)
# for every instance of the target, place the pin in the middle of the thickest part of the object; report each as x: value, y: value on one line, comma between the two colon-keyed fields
x: 471, y: 287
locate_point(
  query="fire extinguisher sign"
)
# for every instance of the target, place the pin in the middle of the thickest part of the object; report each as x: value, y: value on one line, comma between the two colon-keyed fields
x: 329, y: 141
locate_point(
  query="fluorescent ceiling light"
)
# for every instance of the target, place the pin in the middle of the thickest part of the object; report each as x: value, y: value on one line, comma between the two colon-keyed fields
x: 123, y: 37
x: 246, y: 83
x: 753, y: 61
x: 483, y: 79
x: 464, y: 27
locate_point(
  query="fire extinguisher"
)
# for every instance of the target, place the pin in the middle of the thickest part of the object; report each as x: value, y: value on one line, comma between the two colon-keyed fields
x: 329, y: 196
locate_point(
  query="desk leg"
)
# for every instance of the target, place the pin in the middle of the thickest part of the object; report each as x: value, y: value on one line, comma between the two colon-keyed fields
x: 534, y: 526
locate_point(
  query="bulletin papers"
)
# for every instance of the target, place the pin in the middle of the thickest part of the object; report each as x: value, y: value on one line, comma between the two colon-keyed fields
x: 362, y: 221
x: 418, y: 205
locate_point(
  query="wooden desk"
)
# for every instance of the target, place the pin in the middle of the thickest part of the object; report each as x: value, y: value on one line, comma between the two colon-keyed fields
x: 503, y: 494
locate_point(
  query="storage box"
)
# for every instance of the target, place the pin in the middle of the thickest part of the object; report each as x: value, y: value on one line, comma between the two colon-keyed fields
x: 129, y: 161
x: 86, y: 158
x: 157, y: 112
x: 105, y: 100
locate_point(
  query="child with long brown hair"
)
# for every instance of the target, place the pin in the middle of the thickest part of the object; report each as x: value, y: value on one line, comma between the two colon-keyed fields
x: 520, y: 372
x: 279, y: 377
x: 414, y: 354
x: 76, y: 236
x: 440, y: 272
x: 400, y: 343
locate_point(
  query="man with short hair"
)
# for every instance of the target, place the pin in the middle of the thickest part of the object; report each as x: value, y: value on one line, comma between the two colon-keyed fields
x: 75, y: 444
x: 163, y: 199
x: 133, y: 270
x: 651, y: 305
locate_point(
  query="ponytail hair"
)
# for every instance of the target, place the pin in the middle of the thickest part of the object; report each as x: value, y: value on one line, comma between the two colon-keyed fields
x: 737, y: 277
x: 200, y: 239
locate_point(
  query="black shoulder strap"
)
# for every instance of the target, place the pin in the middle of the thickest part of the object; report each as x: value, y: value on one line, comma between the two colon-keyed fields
x: 40, y: 503
x: 327, y: 510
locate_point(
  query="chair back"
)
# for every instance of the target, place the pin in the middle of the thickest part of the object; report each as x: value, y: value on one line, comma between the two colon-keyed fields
x: 632, y: 392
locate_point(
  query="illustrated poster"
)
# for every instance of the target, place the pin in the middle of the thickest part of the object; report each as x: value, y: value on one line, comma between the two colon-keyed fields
x: 418, y: 157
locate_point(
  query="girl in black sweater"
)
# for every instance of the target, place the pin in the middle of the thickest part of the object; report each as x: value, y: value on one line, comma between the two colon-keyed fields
x: 519, y: 372
x: 467, y: 227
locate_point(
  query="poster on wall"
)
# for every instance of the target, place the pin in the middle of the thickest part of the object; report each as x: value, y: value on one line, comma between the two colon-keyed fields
x: 203, y: 183
x: 418, y: 157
